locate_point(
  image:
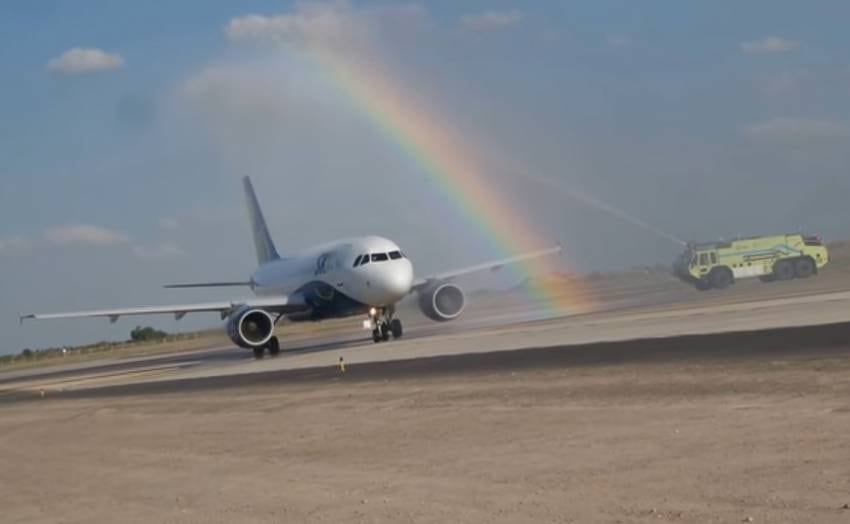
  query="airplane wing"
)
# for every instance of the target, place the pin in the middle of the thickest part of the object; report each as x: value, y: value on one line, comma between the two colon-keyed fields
x: 209, y: 284
x: 281, y: 304
x: 486, y: 266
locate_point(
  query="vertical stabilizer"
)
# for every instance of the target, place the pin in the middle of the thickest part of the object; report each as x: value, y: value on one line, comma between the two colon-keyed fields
x: 266, y: 251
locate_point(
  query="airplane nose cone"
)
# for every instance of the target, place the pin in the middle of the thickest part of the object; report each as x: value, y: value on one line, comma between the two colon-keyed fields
x: 398, y: 280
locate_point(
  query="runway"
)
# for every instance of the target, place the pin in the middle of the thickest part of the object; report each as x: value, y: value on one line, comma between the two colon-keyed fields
x: 485, y: 331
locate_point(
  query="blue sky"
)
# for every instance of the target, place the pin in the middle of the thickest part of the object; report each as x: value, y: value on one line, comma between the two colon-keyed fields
x: 119, y: 162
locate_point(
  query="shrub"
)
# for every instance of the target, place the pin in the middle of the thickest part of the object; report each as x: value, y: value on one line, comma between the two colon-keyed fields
x: 143, y: 334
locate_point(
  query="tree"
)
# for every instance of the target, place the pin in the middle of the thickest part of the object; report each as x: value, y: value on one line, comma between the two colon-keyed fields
x: 26, y: 353
x: 143, y: 334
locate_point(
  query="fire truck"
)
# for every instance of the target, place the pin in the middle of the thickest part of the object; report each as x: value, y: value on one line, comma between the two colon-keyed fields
x: 717, y: 265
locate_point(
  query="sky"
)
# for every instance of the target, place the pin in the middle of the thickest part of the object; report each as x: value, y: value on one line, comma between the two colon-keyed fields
x: 125, y: 128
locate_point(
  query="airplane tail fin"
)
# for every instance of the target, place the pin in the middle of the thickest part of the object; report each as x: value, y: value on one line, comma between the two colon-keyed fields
x: 266, y: 251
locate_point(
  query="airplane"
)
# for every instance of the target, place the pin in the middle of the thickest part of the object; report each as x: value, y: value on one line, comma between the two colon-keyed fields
x: 361, y: 276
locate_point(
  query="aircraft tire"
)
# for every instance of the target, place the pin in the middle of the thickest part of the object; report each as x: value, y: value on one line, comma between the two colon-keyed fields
x: 396, y: 328
x: 385, y: 332
x: 259, y: 352
x: 274, y: 347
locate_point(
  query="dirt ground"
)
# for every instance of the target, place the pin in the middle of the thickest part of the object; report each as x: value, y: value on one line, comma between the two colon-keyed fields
x: 722, y: 440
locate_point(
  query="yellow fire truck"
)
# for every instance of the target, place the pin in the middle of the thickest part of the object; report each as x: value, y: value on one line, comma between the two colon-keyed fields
x: 717, y: 265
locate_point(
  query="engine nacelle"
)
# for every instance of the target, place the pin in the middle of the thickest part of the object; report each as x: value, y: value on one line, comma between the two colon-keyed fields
x: 250, y: 328
x: 442, y: 302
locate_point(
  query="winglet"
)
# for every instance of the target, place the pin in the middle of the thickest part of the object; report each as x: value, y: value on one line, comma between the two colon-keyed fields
x: 21, y: 318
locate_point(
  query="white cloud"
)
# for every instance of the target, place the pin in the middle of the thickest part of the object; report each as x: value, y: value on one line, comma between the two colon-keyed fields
x: 770, y: 44
x: 491, y: 20
x: 236, y: 99
x: 797, y: 130
x: 80, y: 61
x: 324, y: 21
x: 258, y: 27
x: 83, y: 234
x: 158, y: 252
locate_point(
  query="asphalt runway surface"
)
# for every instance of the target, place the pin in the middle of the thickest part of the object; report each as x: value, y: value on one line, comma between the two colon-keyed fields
x: 821, y: 341
x: 485, y: 339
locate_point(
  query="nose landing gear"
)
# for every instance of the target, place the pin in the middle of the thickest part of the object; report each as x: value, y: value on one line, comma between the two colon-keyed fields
x: 385, y: 324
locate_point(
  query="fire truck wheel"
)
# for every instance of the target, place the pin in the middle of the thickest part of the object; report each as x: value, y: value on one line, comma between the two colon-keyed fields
x: 804, y: 268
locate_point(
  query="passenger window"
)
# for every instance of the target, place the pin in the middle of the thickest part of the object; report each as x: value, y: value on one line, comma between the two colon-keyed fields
x: 395, y: 255
x: 364, y: 260
x: 703, y: 259
x: 713, y: 258
x: 357, y: 261
x: 379, y: 257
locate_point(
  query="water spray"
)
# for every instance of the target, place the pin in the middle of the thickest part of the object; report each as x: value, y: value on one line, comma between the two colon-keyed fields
x: 595, y: 203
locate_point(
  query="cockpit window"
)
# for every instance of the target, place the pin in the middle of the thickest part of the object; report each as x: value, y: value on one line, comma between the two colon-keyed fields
x: 379, y: 257
x: 395, y: 255
x: 364, y: 260
x: 357, y: 261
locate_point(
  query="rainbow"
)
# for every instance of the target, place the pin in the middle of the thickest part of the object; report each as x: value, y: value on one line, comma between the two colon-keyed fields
x: 452, y: 168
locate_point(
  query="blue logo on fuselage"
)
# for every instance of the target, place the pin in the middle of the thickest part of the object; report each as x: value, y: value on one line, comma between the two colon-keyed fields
x: 322, y: 264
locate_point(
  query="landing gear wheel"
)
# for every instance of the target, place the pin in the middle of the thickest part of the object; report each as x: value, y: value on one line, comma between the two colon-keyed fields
x: 259, y: 352
x: 702, y: 285
x: 783, y: 270
x: 804, y: 268
x: 395, y: 328
x: 384, y: 325
x: 274, y: 347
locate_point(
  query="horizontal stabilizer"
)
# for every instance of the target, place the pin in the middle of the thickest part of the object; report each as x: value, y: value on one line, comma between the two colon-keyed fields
x: 209, y: 284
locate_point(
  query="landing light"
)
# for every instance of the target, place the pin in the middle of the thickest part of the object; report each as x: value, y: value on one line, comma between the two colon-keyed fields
x: 373, y: 312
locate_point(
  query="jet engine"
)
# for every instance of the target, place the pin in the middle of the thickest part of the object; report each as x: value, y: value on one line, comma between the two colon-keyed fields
x: 250, y: 328
x: 442, y: 302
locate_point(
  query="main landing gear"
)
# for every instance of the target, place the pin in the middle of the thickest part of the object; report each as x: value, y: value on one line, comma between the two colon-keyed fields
x: 273, y: 346
x: 385, y: 324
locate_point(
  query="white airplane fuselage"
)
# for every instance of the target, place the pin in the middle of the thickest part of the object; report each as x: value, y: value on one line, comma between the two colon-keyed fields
x: 362, y: 275
x: 339, y: 279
